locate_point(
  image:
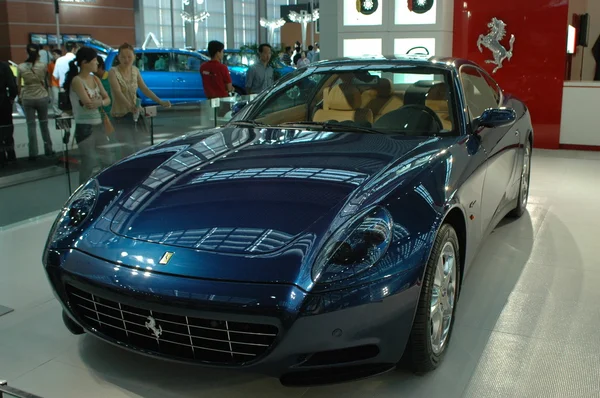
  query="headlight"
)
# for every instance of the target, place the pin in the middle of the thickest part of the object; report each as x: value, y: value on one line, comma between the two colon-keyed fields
x: 354, y: 248
x: 76, y: 211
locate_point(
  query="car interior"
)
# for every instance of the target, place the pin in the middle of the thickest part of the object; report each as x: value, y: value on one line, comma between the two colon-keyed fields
x: 379, y: 100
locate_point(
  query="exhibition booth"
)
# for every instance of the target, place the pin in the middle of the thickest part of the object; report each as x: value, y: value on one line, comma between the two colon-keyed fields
x: 581, y: 94
x: 325, y: 234
x: 550, y: 38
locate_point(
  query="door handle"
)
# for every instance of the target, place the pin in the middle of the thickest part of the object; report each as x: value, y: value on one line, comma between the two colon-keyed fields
x: 180, y: 80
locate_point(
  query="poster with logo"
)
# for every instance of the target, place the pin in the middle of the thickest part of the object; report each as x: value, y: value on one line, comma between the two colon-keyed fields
x: 416, y: 12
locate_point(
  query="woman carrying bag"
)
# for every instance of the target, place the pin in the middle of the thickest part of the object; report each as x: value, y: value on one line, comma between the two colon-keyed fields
x: 88, y: 97
x: 32, y: 86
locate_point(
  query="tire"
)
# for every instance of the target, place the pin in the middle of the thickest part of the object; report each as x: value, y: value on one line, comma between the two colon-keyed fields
x: 424, y: 351
x: 524, y: 184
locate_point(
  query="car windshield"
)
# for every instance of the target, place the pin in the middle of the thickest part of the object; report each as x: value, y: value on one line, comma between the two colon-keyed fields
x: 411, y: 100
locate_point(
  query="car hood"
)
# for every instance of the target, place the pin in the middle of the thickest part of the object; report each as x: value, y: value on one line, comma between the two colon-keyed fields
x: 255, y: 193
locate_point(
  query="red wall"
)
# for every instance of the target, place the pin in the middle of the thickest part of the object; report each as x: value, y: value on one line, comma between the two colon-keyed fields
x: 535, y: 74
x: 110, y: 21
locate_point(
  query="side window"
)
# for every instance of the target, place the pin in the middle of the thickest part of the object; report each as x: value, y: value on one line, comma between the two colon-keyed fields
x: 233, y: 59
x: 152, y: 62
x: 295, y: 95
x: 494, y: 86
x: 478, y: 93
x: 187, y: 63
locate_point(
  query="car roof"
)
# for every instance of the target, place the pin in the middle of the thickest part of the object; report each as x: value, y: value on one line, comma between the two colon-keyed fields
x: 448, y: 63
x: 163, y: 50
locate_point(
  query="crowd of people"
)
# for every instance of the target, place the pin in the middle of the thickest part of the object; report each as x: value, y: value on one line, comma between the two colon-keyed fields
x: 104, y: 105
x: 260, y: 75
x: 299, y: 57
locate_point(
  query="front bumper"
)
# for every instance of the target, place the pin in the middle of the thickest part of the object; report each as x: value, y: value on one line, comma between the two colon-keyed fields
x: 356, y: 332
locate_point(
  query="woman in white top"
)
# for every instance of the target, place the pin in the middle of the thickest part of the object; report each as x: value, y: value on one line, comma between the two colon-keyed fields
x: 88, y: 97
x: 32, y: 86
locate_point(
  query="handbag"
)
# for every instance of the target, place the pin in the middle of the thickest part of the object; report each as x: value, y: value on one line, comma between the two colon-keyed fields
x: 64, y: 102
x: 108, y: 126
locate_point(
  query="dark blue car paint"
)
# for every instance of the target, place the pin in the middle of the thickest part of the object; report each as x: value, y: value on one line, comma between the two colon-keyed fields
x: 420, y: 181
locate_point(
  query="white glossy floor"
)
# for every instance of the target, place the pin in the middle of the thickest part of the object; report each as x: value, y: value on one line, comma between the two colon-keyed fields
x: 528, y: 320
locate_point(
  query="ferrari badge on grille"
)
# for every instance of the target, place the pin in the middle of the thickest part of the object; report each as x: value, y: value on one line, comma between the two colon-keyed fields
x: 151, y: 325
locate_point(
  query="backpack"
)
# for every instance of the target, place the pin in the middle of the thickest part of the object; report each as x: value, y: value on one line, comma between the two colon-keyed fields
x: 64, y: 102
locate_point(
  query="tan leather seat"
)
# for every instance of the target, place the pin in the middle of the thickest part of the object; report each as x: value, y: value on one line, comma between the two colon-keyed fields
x: 381, y: 99
x: 437, y: 100
x: 342, y: 103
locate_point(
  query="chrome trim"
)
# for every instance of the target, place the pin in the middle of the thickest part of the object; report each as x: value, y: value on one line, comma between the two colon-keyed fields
x: 179, y: 337
x: 171, y: 342
x: 176, y: 333
x: 171, y: 322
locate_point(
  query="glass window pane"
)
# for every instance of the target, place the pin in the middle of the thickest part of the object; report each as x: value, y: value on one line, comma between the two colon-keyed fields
x: 362, y: 47
x: 478, y: 94
x: 187, y: 63
x: 245, y: 23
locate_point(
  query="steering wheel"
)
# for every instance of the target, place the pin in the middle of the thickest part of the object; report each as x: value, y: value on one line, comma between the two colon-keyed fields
x: 407, y: 114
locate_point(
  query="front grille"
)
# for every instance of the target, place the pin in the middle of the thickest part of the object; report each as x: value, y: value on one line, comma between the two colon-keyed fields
x: 179, y: 337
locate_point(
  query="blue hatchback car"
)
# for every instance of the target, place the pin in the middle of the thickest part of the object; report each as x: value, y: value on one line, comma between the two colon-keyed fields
x: 173, y: 74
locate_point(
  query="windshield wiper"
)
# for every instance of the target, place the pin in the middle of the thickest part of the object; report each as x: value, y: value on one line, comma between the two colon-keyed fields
x: 334, y: 127
x: 248, y: 123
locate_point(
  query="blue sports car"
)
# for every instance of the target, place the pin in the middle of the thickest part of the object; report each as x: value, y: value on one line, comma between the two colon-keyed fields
x: 322, y: 235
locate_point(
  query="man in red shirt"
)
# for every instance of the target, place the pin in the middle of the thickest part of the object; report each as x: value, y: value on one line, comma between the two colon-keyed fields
x: 215, y: 75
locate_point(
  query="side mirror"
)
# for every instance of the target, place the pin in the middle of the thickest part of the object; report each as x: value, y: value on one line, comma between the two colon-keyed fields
x: 495, y: 117
x: 237, y: 107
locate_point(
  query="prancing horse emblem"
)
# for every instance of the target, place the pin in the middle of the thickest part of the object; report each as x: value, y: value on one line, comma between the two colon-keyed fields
x: 164, y: 260
x: 492, y: 41
x: 151, y: 325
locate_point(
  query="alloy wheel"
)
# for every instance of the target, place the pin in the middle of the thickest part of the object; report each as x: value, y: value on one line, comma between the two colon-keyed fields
x: 443, y: 298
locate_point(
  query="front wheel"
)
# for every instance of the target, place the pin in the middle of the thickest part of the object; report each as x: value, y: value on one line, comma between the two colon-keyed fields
x: 434, y: 318
x: 521, y: 207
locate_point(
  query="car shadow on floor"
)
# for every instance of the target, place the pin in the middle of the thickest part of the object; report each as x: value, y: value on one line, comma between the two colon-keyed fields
x: 486, y: 291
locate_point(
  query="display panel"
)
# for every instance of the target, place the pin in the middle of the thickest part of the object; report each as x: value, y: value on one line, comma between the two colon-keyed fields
x: 354, y: 18
x: 68, y: 38
x: 410, y: 46
x: 571, y: 40
x: 362, y: 47
x: 404, y: 15
x: 52, y: 39
x: 38, y: 38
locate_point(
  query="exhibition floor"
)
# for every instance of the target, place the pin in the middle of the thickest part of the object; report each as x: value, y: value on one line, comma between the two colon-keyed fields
x: 527, y: 321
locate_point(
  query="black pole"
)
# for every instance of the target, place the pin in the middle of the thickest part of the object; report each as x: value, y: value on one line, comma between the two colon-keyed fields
x: 56, y: 13
x: 66, y: 138
x: 151, y: 131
